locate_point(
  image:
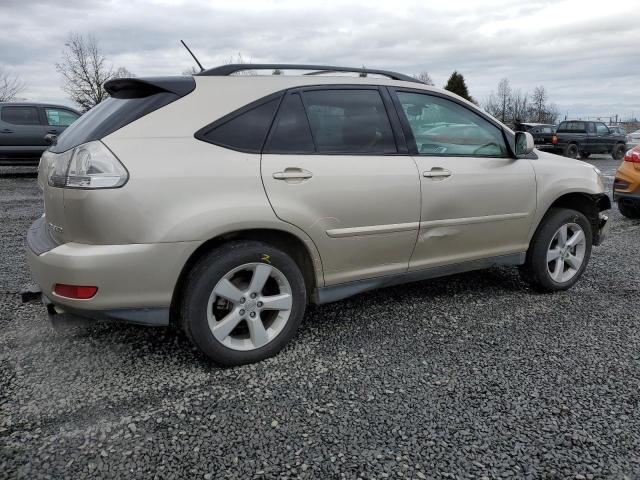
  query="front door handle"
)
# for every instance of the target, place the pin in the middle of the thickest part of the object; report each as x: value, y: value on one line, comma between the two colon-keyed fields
x: 53, y: 130
x: 293, y: 174
x: 437, y: 172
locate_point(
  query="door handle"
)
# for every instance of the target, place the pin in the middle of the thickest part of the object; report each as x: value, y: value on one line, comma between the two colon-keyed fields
x: 53, y: 130
x: 437, y: 172
x: 6, y: 130
x: 293, y: 174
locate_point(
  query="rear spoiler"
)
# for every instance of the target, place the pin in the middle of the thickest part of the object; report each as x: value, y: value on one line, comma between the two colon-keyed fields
x: 144, y: 87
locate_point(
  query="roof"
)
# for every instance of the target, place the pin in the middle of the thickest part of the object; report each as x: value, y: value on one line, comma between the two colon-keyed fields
x: 38, y: 104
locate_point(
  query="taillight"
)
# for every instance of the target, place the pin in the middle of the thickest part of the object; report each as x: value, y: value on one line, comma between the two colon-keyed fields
x: 90, y: 165
x: 79, y: 292
x: 633, y: 155
x: 554, y: 139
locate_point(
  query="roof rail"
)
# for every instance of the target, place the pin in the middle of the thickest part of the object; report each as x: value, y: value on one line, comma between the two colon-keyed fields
x: 225, y: 70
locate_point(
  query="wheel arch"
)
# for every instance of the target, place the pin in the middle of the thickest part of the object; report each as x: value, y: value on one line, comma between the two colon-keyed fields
x: 284, y: 240
x: 590, y: 205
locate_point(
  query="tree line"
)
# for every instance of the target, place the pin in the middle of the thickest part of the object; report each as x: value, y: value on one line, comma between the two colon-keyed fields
x: 512, y: 105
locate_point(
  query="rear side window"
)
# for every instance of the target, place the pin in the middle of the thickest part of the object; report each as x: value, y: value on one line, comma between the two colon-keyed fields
x: 20, y: 115
x: 245, y: 131
x: 578, y: 127
x: 349, y: 121
x: 60, y: 118
x: 291, y: 133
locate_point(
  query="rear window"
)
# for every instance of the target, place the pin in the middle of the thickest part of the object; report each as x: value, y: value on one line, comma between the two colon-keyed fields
x: 114, y: 113
x: 291, y: 133
x: 245, y: 131
x: 17, y: 115
x: 349, y: 121
x: 577, y: 127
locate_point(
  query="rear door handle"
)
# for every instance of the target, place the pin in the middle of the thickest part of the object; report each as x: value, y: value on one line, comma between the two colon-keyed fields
x: 293, y: 174
x: 437, y: 172
x: 6, y: 130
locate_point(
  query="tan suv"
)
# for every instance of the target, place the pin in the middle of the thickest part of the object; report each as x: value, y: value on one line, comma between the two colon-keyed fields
x: 225, y: 203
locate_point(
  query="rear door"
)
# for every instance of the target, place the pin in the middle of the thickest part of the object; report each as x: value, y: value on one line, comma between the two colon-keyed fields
x: 334, y: 166
x: 477, y: 201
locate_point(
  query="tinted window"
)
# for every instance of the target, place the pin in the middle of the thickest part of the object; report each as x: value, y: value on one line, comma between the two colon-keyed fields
x: 20, y: 115
x: 443, y: 127
x: 349, y: 121
x: 245, y: 132
x: 602, y: 129
x: 291, y: 133
x: 60, y: 118
x: 572, y: 127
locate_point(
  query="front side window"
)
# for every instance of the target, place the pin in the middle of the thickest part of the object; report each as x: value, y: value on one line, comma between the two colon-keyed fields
x: 60, y: 118
x: 349, y: 121
x: 442, y: 127
x: 602, y: 129
x: 18, y: 115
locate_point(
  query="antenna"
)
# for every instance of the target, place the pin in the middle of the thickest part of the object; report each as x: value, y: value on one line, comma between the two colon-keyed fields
x: 194, y: 57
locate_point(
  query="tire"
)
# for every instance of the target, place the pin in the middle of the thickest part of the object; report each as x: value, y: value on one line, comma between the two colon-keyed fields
x: 629, y: 210
x: 618, y: 151
x: 546, y: 275
x: 571, y: 151
x: 584, y: 155
x: 230, y: 270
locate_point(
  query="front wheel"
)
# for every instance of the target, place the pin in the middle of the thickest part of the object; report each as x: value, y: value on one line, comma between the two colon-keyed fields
x: 629, y: 210
x: 559, y: 251
x: 243, y: 302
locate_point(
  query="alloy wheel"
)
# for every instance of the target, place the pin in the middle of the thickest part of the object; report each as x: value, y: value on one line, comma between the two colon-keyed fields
x: 249, y: 306
x: 566, y: 252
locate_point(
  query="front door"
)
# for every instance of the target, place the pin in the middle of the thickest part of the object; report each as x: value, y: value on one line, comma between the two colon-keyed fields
x: 477, y: 201
x: 331, y: 166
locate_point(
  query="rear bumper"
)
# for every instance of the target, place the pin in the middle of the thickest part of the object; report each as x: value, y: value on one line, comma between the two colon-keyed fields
x: 156, y: 317
x: 135, y: 281
x: 632, y: 197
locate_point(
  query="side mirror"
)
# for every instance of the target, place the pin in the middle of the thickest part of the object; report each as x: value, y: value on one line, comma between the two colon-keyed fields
x: 524, y: 144
x: 51, y: 139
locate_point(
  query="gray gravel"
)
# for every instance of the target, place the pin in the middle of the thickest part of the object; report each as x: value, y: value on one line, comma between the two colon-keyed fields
x: 465, y: 377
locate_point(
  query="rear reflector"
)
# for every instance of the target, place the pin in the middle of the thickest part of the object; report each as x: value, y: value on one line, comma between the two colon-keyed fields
x: 75, y: 291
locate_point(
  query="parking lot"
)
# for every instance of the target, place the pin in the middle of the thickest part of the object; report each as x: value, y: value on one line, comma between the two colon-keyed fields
x: 468, y: 376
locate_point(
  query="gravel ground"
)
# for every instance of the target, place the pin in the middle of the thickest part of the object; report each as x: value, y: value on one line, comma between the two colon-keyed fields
x: 470, y: 376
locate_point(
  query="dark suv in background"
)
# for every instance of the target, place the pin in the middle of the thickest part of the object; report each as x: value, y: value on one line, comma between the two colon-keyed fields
x: 583, y: 137
x: 24, y: 126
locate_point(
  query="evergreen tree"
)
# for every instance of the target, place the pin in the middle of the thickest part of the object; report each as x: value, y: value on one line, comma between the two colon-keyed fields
x: 456, y: 84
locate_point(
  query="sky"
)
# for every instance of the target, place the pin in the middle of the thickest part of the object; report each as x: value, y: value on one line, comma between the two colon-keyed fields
x: 586, y: 53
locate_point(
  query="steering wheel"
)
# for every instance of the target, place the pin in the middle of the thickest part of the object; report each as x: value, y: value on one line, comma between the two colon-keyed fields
x: 486, y: 145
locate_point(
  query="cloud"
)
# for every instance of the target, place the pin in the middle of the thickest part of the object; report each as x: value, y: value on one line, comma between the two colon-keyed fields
x: 583, y: 54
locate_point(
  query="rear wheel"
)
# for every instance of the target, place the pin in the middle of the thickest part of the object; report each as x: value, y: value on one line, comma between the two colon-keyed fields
x: 243, y: 302
x: 629, y: 209
x: 559, y: 251
x: 571, y: 151
x: 618, y: 151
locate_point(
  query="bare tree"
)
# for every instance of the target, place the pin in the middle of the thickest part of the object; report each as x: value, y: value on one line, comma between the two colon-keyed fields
x: 539, y: 103
x: 424, y: 77
x: 519, y: 106
x: 85, y: 70
x: 191, y: 71
x: 10, y: 86
x: 240, y: 59
x: 504, y: 99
